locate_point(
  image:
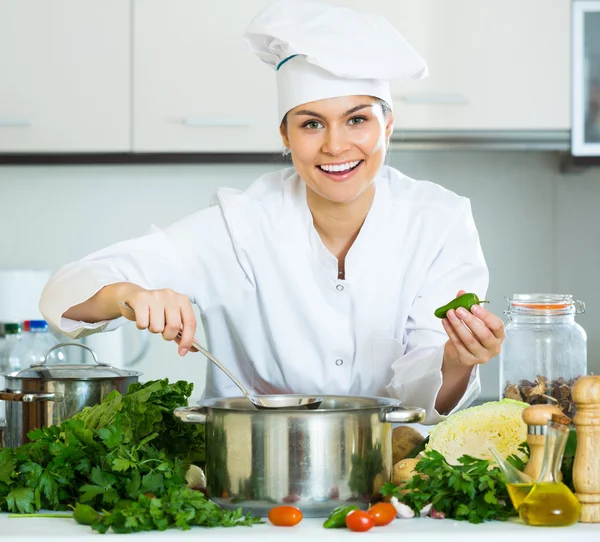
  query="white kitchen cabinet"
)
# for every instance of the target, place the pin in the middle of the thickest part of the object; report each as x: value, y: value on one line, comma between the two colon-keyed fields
x: 99, y: 76
x: 494, y: 65
x: 197, y: 87
x: 64, y: 75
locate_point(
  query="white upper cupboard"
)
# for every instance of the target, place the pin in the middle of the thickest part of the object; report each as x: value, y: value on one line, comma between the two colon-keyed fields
x: 175, y: 76
x: 197, y: 87
x: 493, y: 65
x: 64, y: 76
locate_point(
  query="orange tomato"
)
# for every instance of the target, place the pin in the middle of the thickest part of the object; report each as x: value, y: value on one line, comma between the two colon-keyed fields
x: 285, y: 516
x: 382, y: 513
x: 359, y: 521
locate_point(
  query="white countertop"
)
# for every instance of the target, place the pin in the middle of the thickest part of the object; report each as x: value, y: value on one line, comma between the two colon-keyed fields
x: 402, y: 530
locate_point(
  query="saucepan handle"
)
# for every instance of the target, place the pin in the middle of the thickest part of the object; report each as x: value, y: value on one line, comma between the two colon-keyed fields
x: 29, y: 397
x: 402, y: 414
x: 191, y: 414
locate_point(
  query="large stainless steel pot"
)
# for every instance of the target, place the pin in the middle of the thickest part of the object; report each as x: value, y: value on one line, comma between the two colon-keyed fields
x: 44, y: 395
x: 316, y: 460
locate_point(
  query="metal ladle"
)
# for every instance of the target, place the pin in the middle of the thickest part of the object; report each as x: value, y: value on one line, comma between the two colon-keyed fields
x: 271, y: 402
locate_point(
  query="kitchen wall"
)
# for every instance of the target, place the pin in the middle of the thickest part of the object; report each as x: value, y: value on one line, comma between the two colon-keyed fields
x: 538, y: 227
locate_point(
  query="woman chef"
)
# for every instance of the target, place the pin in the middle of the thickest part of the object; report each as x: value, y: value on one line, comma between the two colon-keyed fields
x: 322, y: 277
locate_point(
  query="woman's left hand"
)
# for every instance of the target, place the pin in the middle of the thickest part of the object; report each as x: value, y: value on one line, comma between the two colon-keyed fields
x: 474, y: 337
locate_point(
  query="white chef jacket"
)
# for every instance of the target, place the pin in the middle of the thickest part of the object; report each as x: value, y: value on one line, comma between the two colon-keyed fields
x: 273, y: 308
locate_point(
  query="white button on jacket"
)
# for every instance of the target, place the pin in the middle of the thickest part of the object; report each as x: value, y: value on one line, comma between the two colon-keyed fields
x: 272, y: 306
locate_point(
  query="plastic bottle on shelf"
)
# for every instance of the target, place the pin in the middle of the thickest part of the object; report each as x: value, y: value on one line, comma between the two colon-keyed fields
x: 34, y: 347
x: 12, y: 336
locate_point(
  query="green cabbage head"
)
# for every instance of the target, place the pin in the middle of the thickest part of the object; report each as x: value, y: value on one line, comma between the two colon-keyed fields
x: 472, y: 430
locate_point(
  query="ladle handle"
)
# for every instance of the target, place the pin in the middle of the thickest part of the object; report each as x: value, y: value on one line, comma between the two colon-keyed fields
x: 204, y: 351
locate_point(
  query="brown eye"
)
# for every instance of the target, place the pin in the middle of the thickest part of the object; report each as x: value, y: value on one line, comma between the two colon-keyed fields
x: 312, y: 125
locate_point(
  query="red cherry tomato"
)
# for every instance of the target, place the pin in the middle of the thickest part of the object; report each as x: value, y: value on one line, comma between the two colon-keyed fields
x: 359, y: 521
x: 382, y: 513
x: 285, y: 516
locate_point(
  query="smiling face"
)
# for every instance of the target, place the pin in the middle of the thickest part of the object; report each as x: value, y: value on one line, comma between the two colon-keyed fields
x: 338, y: 145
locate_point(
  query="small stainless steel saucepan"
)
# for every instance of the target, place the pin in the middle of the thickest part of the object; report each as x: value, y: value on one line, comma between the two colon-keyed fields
x: 43, y: 395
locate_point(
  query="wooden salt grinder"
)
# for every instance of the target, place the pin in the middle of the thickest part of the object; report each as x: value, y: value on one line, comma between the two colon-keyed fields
x: 586, y: 468
x: 536, y: 417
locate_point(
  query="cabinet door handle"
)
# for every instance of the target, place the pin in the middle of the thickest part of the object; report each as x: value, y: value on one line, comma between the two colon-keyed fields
x: 436, y: 98
x: 14, y: 122
x: 207, y: 122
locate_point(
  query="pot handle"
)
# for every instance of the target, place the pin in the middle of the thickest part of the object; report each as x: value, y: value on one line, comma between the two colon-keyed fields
x: 30, y: 397
x: 56, y: 347
x: 192, y: 414
x: 403, y: 414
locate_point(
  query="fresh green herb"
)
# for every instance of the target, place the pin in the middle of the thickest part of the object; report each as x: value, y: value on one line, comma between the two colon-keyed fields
x: 178, y: 507
x: 115, y: 457
x: 519, y: 461
x: 473, y: 490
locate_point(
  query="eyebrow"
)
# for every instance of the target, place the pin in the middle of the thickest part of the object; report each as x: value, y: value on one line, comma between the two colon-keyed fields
x: 309, y: 113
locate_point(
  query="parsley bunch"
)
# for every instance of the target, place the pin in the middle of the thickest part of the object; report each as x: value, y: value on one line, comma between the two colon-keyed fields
x: 126, y: 457
x: 178, y: 507
x: 473, y: 490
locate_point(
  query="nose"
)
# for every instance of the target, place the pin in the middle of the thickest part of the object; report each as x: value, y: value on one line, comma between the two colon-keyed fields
x: 336, y: 141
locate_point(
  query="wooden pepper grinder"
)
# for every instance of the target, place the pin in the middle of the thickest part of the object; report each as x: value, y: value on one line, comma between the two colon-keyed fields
x: 586, y: 468
x: 537, y: 417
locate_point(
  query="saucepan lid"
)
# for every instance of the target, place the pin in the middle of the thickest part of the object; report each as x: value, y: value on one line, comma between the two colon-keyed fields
x: 65, y: 371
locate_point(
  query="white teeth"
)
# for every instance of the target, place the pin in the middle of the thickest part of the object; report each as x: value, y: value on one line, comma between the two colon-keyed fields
x: 340, y: 167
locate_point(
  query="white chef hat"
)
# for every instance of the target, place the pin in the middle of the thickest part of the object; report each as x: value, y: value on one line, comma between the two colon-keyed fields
x: 322, y: 51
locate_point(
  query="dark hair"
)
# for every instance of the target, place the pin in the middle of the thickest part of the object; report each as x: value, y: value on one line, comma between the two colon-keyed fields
x: 385, y: 108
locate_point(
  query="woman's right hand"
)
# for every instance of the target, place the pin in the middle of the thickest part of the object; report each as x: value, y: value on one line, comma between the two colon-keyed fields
x: 161, y: 311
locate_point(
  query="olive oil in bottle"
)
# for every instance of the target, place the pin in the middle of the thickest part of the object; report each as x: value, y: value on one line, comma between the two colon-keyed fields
x: 550, y: 502
x: 518, y: 493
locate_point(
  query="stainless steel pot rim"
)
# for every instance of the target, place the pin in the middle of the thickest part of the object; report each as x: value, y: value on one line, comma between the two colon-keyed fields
x: 71, y: 372
x: 331, y: 403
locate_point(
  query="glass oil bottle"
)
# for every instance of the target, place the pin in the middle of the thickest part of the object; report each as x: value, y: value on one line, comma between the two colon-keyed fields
x: 550, y: 502
x: 518, y: 484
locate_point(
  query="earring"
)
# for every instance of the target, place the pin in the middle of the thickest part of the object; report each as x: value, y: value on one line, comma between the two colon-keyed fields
x: 286, y: 151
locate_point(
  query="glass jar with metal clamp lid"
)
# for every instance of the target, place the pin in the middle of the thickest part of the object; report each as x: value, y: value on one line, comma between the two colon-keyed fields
x: 545, y: 350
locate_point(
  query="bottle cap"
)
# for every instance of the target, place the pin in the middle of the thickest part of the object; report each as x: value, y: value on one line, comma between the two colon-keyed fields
x: 38, y: 324
x: 26, y: 325
x: 12, y: 328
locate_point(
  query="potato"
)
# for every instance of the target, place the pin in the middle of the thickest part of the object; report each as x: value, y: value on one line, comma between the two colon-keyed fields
x: 404, y: 470
x: 404, y: 439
